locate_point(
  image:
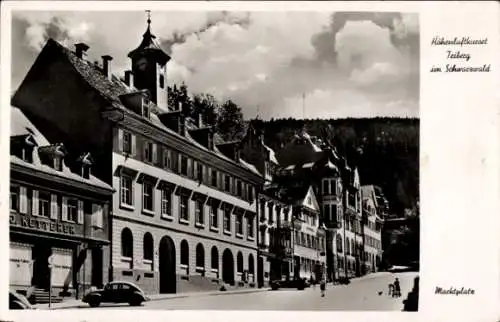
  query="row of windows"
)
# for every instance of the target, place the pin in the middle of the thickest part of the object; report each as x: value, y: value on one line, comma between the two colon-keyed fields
x: 127, y: 249
x: 372, y: 242
x: 273, y: 211
x: 309, y: 241
x: 333, y: 213
x: 183, y: 165
x: 350, y: 245
x: 369, y: 257
x: 166, y: 195
x: 307, y: 264
x: 373, y: 226
x: 49, y: 205
x: 351, y: 264
x: 331, y: 187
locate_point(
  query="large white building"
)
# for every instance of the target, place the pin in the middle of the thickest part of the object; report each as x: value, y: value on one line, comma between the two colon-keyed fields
x: 184, y: 214
x: 372, y: 228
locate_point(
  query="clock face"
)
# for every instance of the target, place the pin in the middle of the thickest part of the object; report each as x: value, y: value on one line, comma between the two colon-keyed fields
x: 141, y: 64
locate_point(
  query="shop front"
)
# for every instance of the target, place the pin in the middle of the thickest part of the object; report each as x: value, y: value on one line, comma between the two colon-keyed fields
x: 47, y: 254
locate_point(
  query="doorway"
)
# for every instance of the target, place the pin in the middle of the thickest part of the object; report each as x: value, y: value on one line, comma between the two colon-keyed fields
x: 228, y: 267
x: 41, y: 272
x: 97, y: 264
x: 260, y: 272
x: 166, y: 262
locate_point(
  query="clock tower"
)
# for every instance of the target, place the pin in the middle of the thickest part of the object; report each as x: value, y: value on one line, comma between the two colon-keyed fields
x: 149, y: 64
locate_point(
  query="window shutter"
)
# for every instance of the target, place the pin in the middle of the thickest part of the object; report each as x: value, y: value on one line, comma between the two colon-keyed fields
x: 204, y: 173
x: 64, y: 209
x: 155, y: 153
x: 23, y: 200
x: 189, y: 167
x: 34, y: 208
x: 53, y: 206
x: 99, y: 218
x: 97, y: 215
x: 120, y: 140
x: 132, y: 138
x: 80, y: 212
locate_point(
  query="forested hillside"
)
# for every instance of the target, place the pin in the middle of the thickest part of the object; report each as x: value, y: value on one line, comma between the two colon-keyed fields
x: 386, y: 150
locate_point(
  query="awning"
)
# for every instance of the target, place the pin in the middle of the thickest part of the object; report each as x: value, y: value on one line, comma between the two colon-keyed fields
x: 213, y: 201
x: 166, y: 185
x: 121, y: 169
x: 183, y: 191
x: 199, y: 196
x: 146, y: 177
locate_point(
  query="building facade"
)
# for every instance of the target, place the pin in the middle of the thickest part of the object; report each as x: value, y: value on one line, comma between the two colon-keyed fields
x: 184, y: 215
x: 372, y: 230
x: 59, y: 232
x: 308, y: 236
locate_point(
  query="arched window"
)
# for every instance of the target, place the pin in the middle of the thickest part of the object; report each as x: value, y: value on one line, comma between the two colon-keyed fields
x: 215, y: 258
x: 353, y: 248
x: 200, y: 256
x: 127, y: 243
x: 239, y: 265
x: 347, y: 246
x: 148, y: 246
x: 339, y: 243
x: 251, y: 267
x: 184, y: 253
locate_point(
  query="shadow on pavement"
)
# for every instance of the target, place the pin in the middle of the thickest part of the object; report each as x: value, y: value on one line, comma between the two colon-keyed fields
x: 411, y: 302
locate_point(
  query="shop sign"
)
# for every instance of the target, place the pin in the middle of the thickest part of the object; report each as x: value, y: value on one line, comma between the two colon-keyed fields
x: 41, y: 224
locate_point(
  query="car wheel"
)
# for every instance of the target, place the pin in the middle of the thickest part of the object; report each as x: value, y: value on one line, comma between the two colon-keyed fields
x: 135, y: 301
x: 94, y: 303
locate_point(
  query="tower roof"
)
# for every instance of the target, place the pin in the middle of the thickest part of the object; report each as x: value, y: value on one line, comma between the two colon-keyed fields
x: 149, y: 44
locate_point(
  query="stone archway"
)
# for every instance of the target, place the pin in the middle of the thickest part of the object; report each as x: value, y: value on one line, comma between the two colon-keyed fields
x: 228, y: 267
x: 166, y: 261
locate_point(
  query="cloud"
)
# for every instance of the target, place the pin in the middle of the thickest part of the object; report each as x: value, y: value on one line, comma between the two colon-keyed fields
x: 347, y: 63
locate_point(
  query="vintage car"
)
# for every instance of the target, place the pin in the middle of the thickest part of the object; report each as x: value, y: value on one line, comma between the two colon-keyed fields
x: 19, y: 302
x: 116, y: 292
x: 298, y: 283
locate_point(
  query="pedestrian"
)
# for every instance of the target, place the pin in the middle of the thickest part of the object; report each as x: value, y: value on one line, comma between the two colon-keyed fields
x: 322, y: 286
x: 397, y: 288
x: 391, y: 290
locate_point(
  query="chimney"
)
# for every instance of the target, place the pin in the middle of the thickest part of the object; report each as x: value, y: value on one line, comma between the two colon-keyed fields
x: 106, y: 66
x: 129, y: 78
x: 81, y: 49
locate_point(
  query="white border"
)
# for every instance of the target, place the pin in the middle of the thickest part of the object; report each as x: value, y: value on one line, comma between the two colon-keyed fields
x: 459, y: 173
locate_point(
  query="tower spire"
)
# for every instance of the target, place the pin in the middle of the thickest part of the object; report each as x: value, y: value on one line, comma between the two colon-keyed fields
x: 148, y: 12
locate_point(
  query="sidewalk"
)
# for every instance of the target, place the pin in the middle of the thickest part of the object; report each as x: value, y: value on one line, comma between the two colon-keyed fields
x: 75, y: 304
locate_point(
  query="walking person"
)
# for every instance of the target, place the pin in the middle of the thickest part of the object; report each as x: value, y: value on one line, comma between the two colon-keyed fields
x: 397, y: 288
x: 322, y: 286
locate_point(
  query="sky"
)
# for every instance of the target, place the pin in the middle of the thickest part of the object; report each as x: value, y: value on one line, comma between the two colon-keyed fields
x: 272, y: 64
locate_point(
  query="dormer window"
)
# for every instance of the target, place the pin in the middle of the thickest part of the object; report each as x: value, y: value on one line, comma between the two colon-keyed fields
x: 22, y: 146
x: 58, y: 163
x: 146, y: 108
x: 27, y: 154
x: 86, y: 172
x: 86, y: 163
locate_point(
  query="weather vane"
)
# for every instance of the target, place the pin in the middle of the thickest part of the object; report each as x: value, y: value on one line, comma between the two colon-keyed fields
x: 149, y: 16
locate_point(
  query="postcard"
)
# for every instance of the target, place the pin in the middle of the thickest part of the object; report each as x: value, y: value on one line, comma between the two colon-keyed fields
x: 250, y: 160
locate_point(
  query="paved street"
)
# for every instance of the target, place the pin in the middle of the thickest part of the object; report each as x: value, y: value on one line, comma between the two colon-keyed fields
x: 361, y: 294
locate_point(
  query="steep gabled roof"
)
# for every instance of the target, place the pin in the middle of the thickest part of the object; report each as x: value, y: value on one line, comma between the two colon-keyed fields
x: 21, y: 124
